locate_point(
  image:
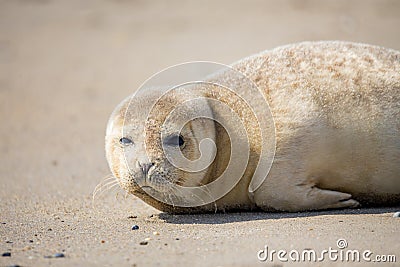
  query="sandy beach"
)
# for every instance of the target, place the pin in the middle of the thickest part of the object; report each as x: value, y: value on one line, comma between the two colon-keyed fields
x: 65, y: 65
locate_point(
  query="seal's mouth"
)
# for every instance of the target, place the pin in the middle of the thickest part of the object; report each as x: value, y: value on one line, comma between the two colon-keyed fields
x: 149, y: 182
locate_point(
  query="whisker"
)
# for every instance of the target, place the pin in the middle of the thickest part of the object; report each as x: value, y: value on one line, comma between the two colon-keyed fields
x: 172, y: 200
x: 208, y: 192
x: 164, y: 196
x: 105, y: 185
x: 108, y: 177
x: 118, y: 192
x: 177, y: 190
x: 106, y: 188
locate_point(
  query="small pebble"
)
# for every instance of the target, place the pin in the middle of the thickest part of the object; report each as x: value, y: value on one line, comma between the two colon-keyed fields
x: 6, y: 254
x: 135, y: 227
x: 16, y: 265
x: 132, y: 217
x: 56, y: 255
x: 9, y: 242
x: 176, y: 238
x: 143, y: 243
x: 396, y: 214
x: 156, y: 233
x: 102, y: 241
x: 31, y: 241
x: 147, y: 239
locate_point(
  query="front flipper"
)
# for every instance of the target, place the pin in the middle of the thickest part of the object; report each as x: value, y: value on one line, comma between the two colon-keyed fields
x: 321, y: 199
x: 305, y: 198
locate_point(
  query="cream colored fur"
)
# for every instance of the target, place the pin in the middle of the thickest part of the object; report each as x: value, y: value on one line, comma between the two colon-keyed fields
x: 336, y: 107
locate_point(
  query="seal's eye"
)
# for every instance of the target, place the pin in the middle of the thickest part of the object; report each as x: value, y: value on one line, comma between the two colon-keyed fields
x: 125, y: 141
x: 174, y: 140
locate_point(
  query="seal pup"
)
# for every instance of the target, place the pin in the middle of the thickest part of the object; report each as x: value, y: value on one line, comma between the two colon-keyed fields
x: 335, y: 106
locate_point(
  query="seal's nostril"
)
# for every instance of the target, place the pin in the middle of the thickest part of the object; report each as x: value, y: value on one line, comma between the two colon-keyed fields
x: 146, y: 167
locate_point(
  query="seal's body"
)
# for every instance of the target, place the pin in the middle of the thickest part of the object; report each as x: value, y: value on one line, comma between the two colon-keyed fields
x: 336, y: 108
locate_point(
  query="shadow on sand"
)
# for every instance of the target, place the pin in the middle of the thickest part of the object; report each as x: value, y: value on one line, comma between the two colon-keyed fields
x: 222, y: 218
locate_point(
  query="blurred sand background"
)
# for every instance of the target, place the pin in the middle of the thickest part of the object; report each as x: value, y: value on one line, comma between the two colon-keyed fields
x: 64, y: 66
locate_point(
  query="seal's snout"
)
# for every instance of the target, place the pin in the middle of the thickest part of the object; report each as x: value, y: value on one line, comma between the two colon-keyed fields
x: 145, y: 167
